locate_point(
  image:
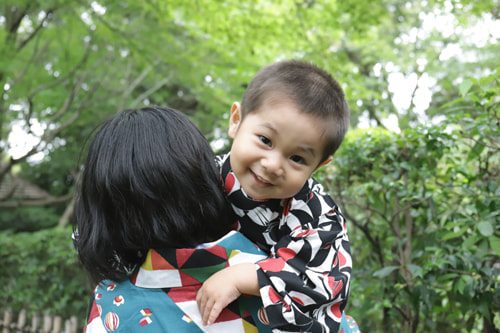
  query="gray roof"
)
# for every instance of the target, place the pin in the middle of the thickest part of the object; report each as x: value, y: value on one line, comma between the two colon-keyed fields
x: 13, y: 187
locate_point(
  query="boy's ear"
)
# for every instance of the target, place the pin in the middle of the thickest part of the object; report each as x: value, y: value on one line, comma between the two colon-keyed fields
x: 234, y: 119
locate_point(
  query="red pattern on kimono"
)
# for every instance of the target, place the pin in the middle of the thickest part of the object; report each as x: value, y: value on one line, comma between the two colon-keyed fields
x: 305, y: 284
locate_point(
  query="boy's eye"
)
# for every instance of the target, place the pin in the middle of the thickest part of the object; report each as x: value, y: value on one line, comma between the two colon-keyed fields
x: 265, y: 140
x: 297, y: 159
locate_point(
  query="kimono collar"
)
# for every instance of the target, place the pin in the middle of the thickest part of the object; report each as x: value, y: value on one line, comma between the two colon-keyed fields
x: 170, y: 268
x: 241, y: 200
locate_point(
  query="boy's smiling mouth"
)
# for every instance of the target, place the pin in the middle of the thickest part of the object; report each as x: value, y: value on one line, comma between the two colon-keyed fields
x: 260, y: 180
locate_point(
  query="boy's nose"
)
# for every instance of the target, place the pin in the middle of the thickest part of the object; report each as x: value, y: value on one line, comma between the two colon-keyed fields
x: 272, y: 163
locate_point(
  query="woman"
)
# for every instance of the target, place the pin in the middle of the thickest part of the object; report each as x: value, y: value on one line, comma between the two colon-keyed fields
x: 153, y: 224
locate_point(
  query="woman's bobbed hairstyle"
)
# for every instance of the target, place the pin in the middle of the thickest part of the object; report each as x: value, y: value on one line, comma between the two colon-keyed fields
x: 149, y: 181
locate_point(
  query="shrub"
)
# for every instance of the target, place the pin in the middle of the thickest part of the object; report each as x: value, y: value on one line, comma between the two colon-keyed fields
x: 41, y: 272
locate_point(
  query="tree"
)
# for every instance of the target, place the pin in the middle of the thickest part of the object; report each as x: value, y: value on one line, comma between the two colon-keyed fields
x: 427, y: 235
x: 65, y: 65
x: 98, y: 58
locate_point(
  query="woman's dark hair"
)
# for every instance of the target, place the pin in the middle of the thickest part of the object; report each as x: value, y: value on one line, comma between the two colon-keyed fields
x: 149, y: 181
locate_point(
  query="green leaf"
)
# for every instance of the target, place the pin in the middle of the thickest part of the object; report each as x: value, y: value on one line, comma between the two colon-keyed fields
x: 465, y: 86
x: 484, y: 309
x: 495, y: 244
x: 382, y: 273
x: 452, y: 102
x: 387, y: 303
x: 454, y: 234
x: 446, y: 277
x: 485, y: 228
x: 459, y: 286
x: 475, y: 151
x: 415, y: 270
x: 470, y: 241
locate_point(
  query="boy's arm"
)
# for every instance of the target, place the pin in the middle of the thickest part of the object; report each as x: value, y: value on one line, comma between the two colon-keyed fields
x: 305, y: 285
x: 225, y: 286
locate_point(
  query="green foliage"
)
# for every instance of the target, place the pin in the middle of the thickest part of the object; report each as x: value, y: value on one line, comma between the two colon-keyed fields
x: 425, y: 206
x: 29, y: 219
x: 422, y: 204
x: 41, y: 272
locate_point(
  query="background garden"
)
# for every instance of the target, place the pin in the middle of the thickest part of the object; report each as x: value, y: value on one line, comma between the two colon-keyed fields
x: 418, y: 176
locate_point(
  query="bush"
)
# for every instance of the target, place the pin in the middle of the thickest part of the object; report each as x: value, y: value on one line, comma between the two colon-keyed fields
x: 29, y: 218
x: 423, y: 208
x: 41, y: 273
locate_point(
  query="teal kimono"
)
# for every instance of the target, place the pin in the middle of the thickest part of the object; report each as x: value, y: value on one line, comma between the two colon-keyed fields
x: 161, y: 295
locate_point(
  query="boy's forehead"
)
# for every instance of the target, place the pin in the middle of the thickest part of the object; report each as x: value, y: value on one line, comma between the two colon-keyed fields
x: 275, y: 98
x: 270, y: 104
x: 275, y: 110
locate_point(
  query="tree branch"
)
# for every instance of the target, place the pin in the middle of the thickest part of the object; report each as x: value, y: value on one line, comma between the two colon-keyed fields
x: 36, y: 203
x: 10, y: 191
x: 14, y: 21
x: 5, y: 168
x: 408, y: 226
x: 366, y: 231
x: 127, y: 92
x: 37, y: 29
x: 64, y: 77
x: 68, y: 212
x: 369, y: 208
x: 150, y: 91
x: 33, y: 59
x: 48, y: 136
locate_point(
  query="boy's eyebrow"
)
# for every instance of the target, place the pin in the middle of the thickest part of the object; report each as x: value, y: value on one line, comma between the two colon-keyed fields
x: 269, y: 127
x: 306, y: 149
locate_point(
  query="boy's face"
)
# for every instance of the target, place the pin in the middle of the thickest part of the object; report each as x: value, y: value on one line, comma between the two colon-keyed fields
x: 275, y: 149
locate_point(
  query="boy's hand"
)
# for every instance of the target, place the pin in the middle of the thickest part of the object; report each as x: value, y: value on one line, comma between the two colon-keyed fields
x: 215, y: 294
x: 224, y: 287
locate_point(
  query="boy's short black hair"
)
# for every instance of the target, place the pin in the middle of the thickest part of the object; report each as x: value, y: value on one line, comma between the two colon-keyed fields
x: 311, y: 88
x: 149, y: 181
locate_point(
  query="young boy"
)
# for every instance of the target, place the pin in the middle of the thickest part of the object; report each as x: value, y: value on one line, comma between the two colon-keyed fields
x: 292, y: 118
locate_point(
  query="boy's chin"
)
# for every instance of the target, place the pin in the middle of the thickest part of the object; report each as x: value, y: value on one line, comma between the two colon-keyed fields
x: 254, y: 196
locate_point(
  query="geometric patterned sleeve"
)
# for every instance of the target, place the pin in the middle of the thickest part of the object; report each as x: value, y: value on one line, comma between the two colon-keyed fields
x: 305, y: 285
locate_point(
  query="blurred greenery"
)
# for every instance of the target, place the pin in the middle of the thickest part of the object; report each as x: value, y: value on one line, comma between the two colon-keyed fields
x: 41, y: 273
x: 417, y: 176
x: 425, y: 206
x: 29, y: 219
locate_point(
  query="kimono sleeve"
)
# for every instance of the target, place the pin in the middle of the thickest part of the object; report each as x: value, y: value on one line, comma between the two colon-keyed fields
x: 305, y: 284
x: 94, y: 323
